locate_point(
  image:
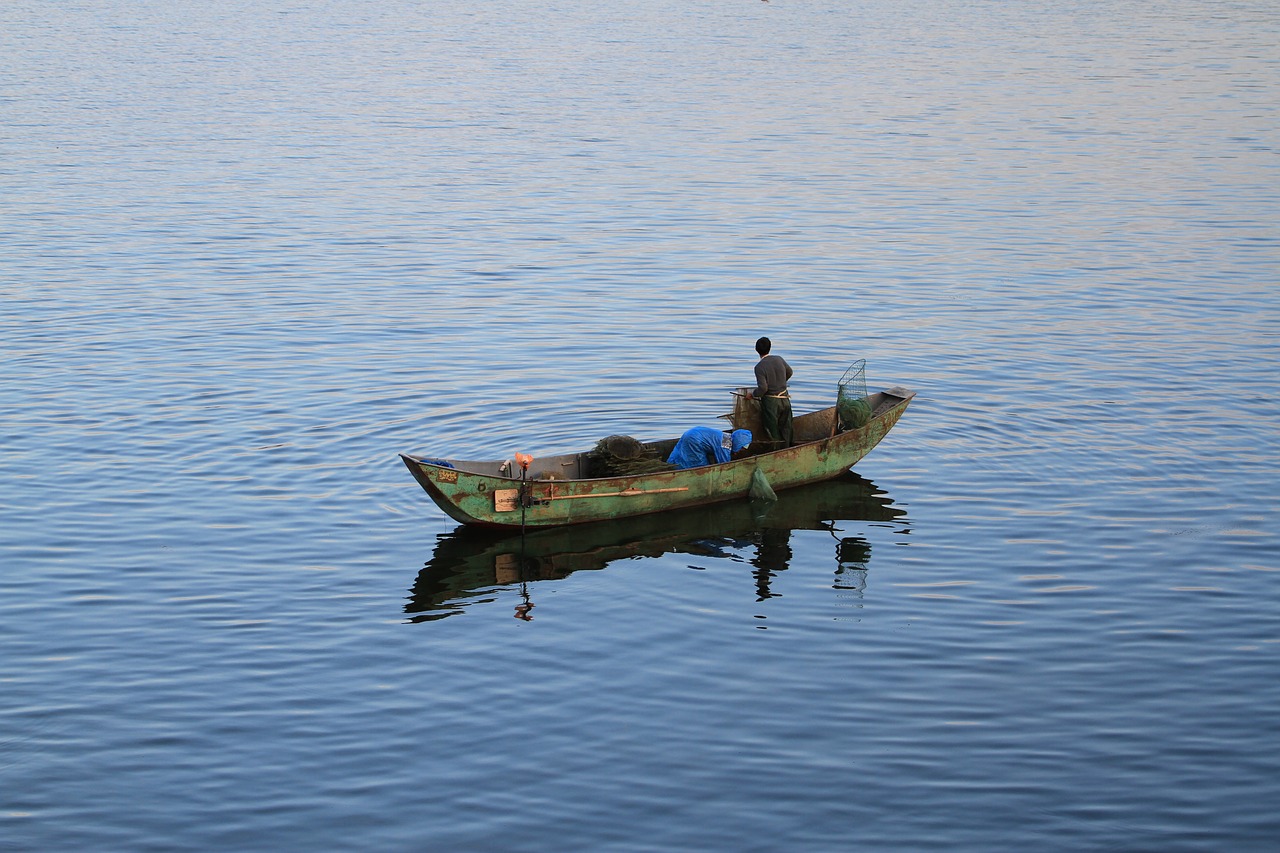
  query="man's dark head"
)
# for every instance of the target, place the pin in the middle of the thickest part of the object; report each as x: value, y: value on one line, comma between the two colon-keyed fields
x: 763, y: 345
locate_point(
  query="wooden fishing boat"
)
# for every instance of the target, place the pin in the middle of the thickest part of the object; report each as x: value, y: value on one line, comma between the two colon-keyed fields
x: 559, y: 490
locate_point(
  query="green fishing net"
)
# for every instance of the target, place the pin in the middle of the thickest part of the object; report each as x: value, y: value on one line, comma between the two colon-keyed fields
x: 623, y: 456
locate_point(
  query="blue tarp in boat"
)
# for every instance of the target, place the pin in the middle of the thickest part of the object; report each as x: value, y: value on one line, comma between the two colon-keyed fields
x: 707, y: 446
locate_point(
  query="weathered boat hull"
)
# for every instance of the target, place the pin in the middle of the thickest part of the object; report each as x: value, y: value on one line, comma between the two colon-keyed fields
x: 491, y: 498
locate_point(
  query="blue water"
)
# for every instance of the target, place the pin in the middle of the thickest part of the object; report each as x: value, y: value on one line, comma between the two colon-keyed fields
x: 249, y: 253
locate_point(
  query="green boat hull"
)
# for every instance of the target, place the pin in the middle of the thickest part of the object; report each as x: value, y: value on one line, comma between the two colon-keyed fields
x: 485, y: 494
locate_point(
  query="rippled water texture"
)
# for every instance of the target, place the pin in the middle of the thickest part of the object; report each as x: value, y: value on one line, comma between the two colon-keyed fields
x: 250, y: 252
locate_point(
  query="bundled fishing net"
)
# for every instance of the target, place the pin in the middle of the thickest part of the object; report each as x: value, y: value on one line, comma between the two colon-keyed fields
x: 622, y: 455
x: 852, y: 407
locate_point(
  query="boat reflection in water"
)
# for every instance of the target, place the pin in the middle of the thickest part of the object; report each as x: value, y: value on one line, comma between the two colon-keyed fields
x: 472, y: 565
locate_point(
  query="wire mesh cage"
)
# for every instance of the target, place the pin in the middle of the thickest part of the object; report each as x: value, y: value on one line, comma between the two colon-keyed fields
x: 851, y: 396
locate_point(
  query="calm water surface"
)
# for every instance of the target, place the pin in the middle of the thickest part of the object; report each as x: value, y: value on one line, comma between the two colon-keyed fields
x: 250, y: 252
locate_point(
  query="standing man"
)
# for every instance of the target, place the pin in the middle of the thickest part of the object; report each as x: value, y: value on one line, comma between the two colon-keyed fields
x: 772, y: 373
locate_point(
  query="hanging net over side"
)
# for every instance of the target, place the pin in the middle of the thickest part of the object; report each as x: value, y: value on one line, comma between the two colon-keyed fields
x: 851, y: 396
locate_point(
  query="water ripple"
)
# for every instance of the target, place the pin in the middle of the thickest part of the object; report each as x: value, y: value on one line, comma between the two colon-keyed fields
x: 252, y: 253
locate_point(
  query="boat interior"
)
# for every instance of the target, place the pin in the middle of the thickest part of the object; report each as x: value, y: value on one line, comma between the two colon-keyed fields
x: 808, y: 427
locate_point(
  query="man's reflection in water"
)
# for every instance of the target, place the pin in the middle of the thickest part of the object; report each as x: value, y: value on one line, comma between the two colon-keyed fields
x: 852, y: 555
x: 773, y: 555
